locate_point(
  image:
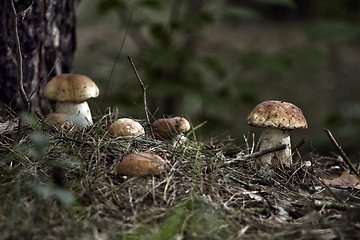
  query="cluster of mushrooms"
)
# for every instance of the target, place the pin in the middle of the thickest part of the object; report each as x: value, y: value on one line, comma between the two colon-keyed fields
x: 71, y: 91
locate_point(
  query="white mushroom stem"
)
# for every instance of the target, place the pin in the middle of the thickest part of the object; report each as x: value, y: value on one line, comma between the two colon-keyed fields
x: 272, y: 137
x: 76, y: 109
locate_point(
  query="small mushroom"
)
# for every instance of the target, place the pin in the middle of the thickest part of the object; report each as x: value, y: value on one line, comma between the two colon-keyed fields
x: 140, y: 164
x: 58, y: 120
x: 126, y: 127
x: 170, y: 129
x: 70, y: 92
x: 277, y: 118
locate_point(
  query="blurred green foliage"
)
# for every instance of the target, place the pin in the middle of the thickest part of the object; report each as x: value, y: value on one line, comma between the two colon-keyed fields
x: 167, y: 53
x: 27, y: 158
x: 182, y: 79
x: 192, y: 218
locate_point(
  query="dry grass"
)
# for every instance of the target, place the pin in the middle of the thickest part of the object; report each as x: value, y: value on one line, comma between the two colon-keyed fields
x: 61, y: 184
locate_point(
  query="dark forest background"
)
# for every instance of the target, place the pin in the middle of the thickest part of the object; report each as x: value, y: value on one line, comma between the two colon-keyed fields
x: 211, y: 61
x: 214, y: 60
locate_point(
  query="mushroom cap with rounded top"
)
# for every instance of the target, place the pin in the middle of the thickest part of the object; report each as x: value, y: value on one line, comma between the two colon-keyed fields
x: 69, y: 87
x: 167, y: 128
x: 139, y: 164
x: 126, y: 127
x: 277, y: 114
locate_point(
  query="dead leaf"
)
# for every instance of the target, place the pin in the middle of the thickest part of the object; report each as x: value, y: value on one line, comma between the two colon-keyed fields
x: 344, y: 181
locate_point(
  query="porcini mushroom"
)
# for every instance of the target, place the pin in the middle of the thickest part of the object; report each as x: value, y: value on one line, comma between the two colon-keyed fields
x: 170, y: 128
x: 140, y: 164
x: 126, y: 127
x: 277, y: 118
x: 70, y: 92
x: 58, y: 119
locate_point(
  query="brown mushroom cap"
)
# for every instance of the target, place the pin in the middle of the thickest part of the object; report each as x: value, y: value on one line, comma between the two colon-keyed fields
x: 57, y: 119
x: 141, y: 164
x: 70, y: 87
x: 168, y: 128
x: 277, y: 114
x: 126, y: 127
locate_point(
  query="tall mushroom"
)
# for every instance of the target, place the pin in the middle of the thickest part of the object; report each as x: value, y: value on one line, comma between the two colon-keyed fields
x: 70, y: 92
x: 277, y: 118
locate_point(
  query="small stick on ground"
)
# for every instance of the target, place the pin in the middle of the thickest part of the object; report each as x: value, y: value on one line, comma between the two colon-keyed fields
x: 341, y: 152
x: 144, y: 94
x: 264, y: 151
x: 258, y: 154
x: 329, y: 190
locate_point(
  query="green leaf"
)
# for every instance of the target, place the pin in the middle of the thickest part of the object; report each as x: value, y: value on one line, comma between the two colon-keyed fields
x: 192, y: 217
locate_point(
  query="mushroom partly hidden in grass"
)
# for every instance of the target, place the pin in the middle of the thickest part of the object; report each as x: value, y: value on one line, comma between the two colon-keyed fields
x: 171, y: 129
x: 277, y: 118
x: 70, y: 92
x: 58, y: 120
x: 126, y: 127
x: 140, y: 164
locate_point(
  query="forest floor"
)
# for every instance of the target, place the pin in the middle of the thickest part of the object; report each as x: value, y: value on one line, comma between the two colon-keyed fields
x: 60, y: 184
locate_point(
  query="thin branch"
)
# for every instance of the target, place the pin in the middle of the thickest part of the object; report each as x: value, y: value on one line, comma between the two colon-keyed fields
x: 330, y: 191
x: 341, y: 152
x: 264, y: 151
x: 258, y: 154
x: 37, y: 88
x: 334, y: 205
x: 20, y: 76
x: 144, y: 93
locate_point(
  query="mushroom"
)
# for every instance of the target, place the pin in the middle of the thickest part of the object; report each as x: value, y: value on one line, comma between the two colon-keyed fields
x: 58, y: 119
x: 140, y: 164
x: 126, y: 127
x: 171, y: 129
x: 277, y: 118
x: 70, y: 92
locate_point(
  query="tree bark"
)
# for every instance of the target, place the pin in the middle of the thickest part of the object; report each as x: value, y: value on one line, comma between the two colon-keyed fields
x: 47, y: 40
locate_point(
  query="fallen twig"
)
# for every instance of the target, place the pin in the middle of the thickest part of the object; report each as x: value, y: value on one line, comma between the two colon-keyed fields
x: 334, y: 205
x: 330, y: 191
x: 341, y: 152
x: 144, y: 93
x: 257, y: 154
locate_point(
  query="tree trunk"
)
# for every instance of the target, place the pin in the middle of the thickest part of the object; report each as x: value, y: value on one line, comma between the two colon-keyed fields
x: 47, y: 40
